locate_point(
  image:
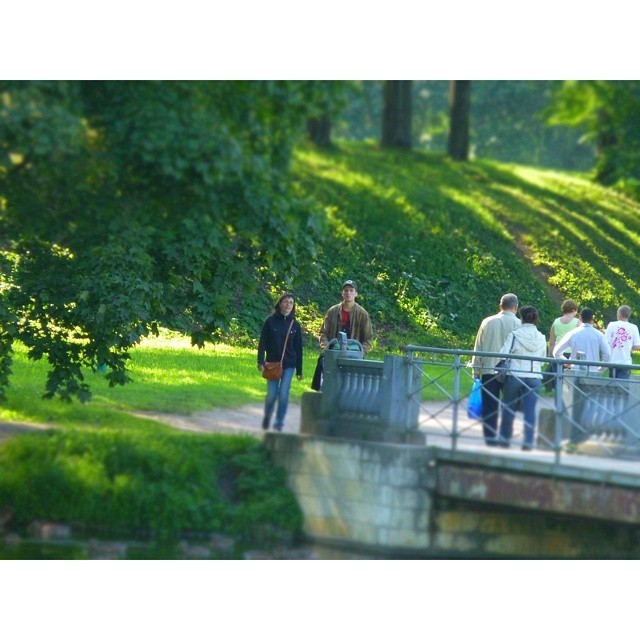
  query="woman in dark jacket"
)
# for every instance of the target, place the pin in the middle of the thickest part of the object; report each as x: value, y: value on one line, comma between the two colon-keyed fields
x: 272, y: 339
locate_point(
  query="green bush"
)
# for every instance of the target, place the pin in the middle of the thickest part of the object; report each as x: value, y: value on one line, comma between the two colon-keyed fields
x: 161, y: 483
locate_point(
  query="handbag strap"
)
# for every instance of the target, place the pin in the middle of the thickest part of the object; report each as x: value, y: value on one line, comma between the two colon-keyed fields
x: 513, y: 341
x: 285, y: 341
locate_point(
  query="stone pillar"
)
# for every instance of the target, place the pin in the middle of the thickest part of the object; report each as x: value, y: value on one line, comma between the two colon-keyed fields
x: 400, y: 394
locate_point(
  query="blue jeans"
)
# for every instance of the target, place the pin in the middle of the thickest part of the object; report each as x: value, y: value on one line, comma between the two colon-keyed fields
x: 621, y: 374
x: 528, y: 390
x: 278, y: 390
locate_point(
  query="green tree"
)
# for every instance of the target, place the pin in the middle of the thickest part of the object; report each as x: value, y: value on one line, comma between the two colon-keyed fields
x: 328, y: 99
x: 129, y: 205
x: 396, y: 117
x: 610, y: 112
x: 508, y: 123
x: 460, y: 105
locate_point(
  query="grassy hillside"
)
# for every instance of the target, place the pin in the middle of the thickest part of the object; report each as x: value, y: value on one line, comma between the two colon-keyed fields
x: 433, y: 244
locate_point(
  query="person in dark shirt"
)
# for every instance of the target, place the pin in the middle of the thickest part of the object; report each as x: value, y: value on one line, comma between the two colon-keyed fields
x: 272, y: 342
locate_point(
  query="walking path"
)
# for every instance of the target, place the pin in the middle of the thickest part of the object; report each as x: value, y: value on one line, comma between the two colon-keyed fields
x: 435, y: 422
x: 245, y: 419
x: 9, y: 429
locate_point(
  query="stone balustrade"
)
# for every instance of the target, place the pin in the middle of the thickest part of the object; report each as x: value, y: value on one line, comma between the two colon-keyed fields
x: 601, y: 408
x: 364, y: 399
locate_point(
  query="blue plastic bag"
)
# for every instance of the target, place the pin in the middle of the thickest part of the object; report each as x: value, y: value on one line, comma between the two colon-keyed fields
x: 474, y: 408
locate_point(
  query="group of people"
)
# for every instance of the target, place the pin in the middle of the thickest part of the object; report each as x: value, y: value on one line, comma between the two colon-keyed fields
x: 570, y: 337
x: 281, y: 340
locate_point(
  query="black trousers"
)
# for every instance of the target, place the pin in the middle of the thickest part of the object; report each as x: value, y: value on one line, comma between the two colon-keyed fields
x: 491, y: 391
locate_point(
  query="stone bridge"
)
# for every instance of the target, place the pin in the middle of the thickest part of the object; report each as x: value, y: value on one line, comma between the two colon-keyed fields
x: 385, y: 482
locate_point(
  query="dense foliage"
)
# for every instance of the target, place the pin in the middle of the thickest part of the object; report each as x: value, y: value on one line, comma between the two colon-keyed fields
x: 508, y: 121
x: 152, y: 481
x: 610, y: 113
x: 129, y: 205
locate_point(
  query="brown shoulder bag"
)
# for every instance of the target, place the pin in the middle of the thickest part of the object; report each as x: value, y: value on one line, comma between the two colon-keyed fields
x: 273, y: 370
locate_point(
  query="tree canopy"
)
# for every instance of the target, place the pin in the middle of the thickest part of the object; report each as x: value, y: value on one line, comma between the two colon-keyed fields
x: 610, y: 113
x: 126, y: 206
x: 129, y: 205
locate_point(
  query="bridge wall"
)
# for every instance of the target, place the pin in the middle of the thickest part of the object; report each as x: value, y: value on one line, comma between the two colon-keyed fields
x: 401, y: 500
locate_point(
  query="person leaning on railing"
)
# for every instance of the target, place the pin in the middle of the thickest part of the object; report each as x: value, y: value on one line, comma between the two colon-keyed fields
x: 524, y: 377
x: 347, y: 316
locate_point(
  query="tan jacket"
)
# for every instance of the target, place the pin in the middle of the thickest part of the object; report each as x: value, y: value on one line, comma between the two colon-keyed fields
x: 491, y: 336
x: 360, y: 326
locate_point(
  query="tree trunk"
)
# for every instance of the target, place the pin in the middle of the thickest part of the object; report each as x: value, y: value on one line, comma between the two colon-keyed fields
x: 396, y: 118
x: 606, y: 143
x: 319, y: 130
x: 460, y: 105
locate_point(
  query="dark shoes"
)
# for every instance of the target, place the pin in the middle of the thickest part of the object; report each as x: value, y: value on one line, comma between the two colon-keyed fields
x: 498, y: 443
x: 265, y: 425
x: 526, y: 447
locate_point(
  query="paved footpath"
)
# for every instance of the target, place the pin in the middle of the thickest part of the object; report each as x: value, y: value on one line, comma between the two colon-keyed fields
x: 435, y: 422
x: 9, y: 429
x: 245, y: 419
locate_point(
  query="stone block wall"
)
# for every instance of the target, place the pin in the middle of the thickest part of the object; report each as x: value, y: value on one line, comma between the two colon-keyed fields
x: 368, y: 493
x: 404, y: 501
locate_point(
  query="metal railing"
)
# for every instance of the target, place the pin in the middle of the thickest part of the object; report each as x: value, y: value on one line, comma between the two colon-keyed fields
x: 586, y: 410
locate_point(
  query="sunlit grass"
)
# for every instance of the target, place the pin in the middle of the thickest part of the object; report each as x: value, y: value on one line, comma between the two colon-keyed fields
x: 169, y: 375
x: 436, y: 243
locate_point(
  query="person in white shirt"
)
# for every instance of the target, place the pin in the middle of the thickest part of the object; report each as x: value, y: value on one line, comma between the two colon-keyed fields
x: 623, y: 337
x: 587, y: 339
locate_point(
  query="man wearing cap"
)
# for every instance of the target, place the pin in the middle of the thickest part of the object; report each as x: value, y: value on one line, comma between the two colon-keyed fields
x: 347, y: 316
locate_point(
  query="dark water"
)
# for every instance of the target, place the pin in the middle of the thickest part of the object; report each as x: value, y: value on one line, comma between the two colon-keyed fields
x: 37, y: 550
x: 117, y: 550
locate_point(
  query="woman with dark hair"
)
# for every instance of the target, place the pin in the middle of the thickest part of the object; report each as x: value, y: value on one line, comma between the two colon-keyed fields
x: 273, y: 341
x: 524, y: 377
